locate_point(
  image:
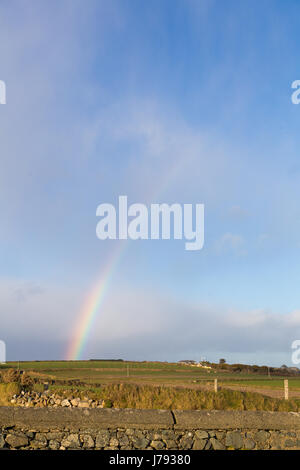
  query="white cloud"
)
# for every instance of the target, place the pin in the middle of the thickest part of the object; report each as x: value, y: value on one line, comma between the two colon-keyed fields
x: 136, y: 323
x: 29, y: 310
x: 293, y: 319
x: 247, y: 319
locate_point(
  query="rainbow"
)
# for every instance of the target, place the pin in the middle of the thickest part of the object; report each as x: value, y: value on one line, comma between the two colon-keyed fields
x: 97, y: 294
x: 91, y: 306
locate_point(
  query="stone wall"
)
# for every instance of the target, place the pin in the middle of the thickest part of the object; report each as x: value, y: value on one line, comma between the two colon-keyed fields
x: 71, y: 428
x: 51, y: 400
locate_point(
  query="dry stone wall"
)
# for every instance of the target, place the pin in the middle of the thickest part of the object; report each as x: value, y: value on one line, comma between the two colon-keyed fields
x: 74, y: 428
x: 46, y: 399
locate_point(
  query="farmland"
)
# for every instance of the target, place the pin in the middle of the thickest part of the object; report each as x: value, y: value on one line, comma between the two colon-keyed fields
x: 95, y: 373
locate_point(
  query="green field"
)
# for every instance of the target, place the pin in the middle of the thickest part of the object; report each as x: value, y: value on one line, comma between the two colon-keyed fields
x: 154, y: 373
x: 113, y: 371
x: 163, y: 385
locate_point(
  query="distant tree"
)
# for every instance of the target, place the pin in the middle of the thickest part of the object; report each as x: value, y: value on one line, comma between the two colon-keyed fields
x: 222, y: 361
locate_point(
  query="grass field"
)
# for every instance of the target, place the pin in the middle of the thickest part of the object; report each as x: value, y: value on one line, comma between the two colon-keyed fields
x: 150, y: 383
x: 113, y: 371
x: 155, y: 373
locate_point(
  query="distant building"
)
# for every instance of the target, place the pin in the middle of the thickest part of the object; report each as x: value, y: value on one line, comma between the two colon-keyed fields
x: 187, y: 362
x: 294, y: 369
x: 203, y: 366
x: 190, y: 362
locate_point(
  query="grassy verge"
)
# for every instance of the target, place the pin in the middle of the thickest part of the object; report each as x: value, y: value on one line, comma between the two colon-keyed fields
x: 149, y: 397
x: 7, y: 391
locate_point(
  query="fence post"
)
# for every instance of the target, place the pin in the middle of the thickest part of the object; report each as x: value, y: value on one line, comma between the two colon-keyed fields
x: 286, y: 389
x: 216, y: 385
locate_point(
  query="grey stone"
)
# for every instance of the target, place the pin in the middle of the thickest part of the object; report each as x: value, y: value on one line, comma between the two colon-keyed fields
x: 157, y: 445
x: 65, y: 403
x: 54, y: 445
x: 201, y: 434
x: 138, y: 434
x: 262, y: 436
x: 40, y: 442
x: 114, y: 443
x: 230, y: 420
x: 186, y: 443
x: 290, y: 443
x: 171, y: 444
x: 38, y: 435
x: 234, y: 439
x: 83, y: 404
x: 56, y: 435
x: 207, y: 445
x: 68, y: 427
x: 71, y: 442
x: 140, y: 442
x: 217, y: 445
x: 102, y: 438
x: 199, y: 444
x: 17, y: 440
x: 123, y: 440
x: 129, y: 432
x: 168, y: 434
x: 249, y: 443
x: 75, y: 401
x: 87, y: 441
x: 276, y: 442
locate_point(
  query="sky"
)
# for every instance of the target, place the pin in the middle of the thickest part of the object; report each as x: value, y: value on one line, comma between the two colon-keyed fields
x: 163, y: 101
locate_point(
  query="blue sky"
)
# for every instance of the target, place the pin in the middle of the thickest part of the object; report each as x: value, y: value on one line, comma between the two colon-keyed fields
x: 163, y: 101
